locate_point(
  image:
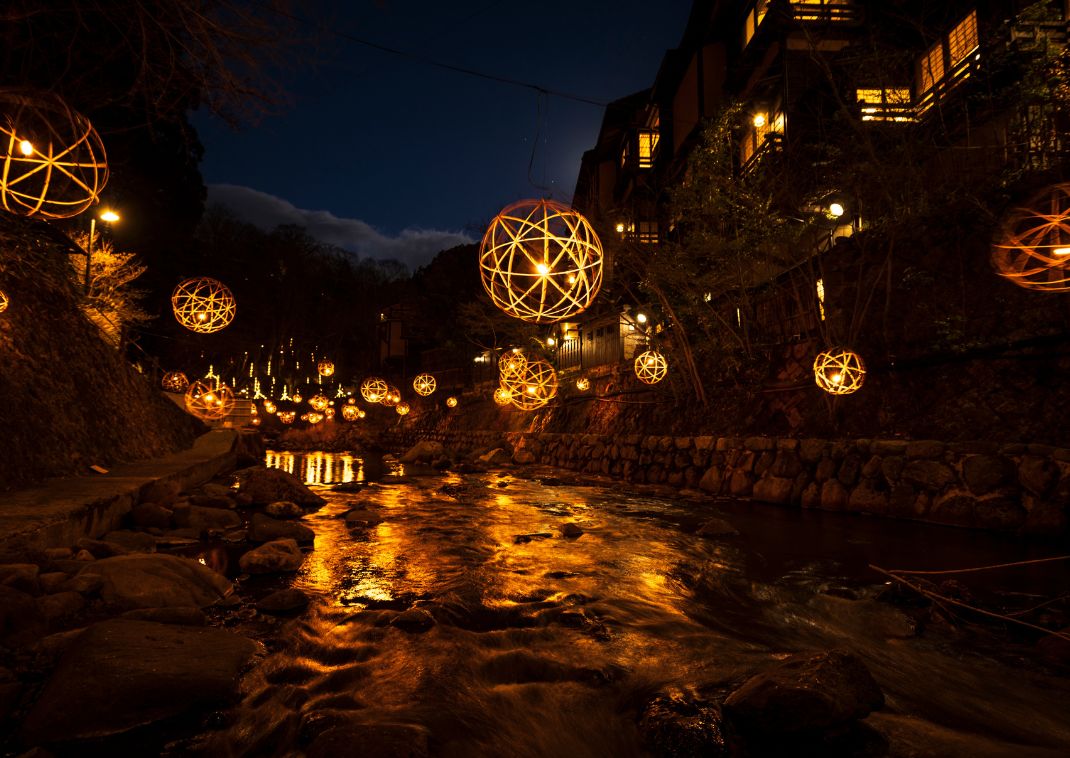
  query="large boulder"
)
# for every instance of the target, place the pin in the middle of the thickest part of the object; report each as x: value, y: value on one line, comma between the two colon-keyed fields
x: 272, y: 557
x: 121, y: 674
x: 423, y: 451
x: 266, y: 529
x: 156, y: 581
x: 203, y: 519
x: 677, y: 725
x: 268, y: 485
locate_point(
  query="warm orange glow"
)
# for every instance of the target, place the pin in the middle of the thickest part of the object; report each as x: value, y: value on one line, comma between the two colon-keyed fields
x: 451, y: 402
x: 287, y: 417
x: 583, y: 384
x: 651, y: 367
x: 203, y: 305
x: 315, y: 418
x: 26, y: 147
x: 174, y: 381
x: 503, y: 396
x: 318, y: 402
x: 839, y: 371
x: 533, y: 387
x: 402, y: 409
x: 512, y: 364
x: 109, y: 216
x: 269, y: 407
x: 373, y: 389
x: 1032, y: 247
x: 350, y: 413
x: 391, y: 398
x: 759, y: 120
x: 297, y: 398
x: 325, y: 368
x: 209, y: 403
x: 424, y: 384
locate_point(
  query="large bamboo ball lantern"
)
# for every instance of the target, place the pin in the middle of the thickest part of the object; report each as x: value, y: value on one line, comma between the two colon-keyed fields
x: 511, y: 364
x: 373, y: 389
x: 174, y: 381
x: 541, y: 261
x: 203, y: 305
x: 503, y: 396
x: 325, y: 368
x: 350, y: 413
x: 1032, y: 247
x: 533, y: 387
x: 318, y: 402
x: 402, y: 409
x: 451, y: 402
x: 52, y: 162
x: 4, y: 302
x: 209, y: 403
x: 839, y: 371
x: 651, y: 367
x: 392, y: 397
x: 269, y: 407
x: 286, y: 417
x: 424, y: 384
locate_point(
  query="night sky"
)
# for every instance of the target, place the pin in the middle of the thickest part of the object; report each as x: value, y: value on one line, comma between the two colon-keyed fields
x: 392, y: 158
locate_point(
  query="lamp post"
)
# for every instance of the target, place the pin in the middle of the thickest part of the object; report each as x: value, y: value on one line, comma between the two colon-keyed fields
x: 108, y: 216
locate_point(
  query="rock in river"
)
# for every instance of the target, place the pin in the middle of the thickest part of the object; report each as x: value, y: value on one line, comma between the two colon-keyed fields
x: 268, y: 485
x: 280, y: 555
x: 284, y: 509
x: 284, y: 601
x: 156, y: 581
x: 266, y: 529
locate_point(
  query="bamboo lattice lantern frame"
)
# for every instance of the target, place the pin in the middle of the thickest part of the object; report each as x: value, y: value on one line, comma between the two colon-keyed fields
x: 325, y: 368
x: 392, y: 397
x: 350, y: 412
x: 583, y: 384
x: 651, y: 367
x: 541, y: 261
x: 52, y: 161
x: 503, y: 396
x: 175, y: 381
x: 451, y: 402
x: 269, y: 407
x: 402, y: 409
x: 203, y: 305
x: 424, y: 384
x: 318, y: 402
x: 287, y: 417
x: 4, y: 301
x: 373, y: 389
x: 533, y: 387
x: 209, y: 403
x: 511, y: 364
x: 1032, y: 248
x: 314, y: 418
x: 839, y: 371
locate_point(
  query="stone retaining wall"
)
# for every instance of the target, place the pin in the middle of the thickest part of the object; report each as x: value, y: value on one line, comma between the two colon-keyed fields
x: 1009, y: 487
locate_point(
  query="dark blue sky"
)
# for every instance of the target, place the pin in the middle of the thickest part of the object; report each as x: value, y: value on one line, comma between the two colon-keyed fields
x: 399, y: 145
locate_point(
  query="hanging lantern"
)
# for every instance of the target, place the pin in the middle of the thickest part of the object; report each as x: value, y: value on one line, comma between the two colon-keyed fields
x: 318, y: 402
x: 286, y: 417
x: 424, y: 384
x: 52, y: 162
x: 174, y: 381
x: 541, y: 261
x: 451, y: 402
x: 361, y: 413
x: 1032, y: 247
x: 511, y: 364
x: 651, y: 367
x: 269, y: 407
x: 503, y: 396
x: 373, y: 389
x: 350, y: 413
x: 3, y: 301
x: 255, y: 421
x: 583, y: 384
x: 402, y: 409
x: 314, y: 418
x: 839, y: 371
x: 352, y: 401
x: 209, y: 403
x: 392, y: 397
x: 329, y: 413
x: 203, y: 305
x: 325, y: 368
x: 533, y: 387
x: 297, y: 397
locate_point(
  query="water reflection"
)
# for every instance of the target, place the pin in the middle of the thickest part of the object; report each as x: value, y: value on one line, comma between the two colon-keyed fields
x: 318, y: 468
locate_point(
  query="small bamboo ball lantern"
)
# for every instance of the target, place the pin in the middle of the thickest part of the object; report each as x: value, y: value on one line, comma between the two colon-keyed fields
x: 315, y: 418
x: 255, y: 421
x: 269, y: 407
x: 303, y: 417
x: 318, y: 402
x: 392, y: 397
x: 533, y: 387
x: 451, y: 402
x: 361, y: 413
x: 839, y: 371
x: 503, y: 396
x: 350, y: 413
x: 209, y: 403
x: 52, y: 162
x: 511, y: 364
x: 351, y: 401
x: 373, y: 389
x: 297, y: 398
x: 287, y: 417
x: 3, y: 301
x: 424, y: 384
x: 1032, y: 247
x: 402, y: 409
x: 329, y: 413
x: 651, y: 367
x: 174, y: 381
x: 583, y: 384
x: 203, y: 305
x: 541, y: 261
x: 325, y: 368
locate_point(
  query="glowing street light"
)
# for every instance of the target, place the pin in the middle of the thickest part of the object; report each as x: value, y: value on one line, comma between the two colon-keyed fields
x: 107, y: 215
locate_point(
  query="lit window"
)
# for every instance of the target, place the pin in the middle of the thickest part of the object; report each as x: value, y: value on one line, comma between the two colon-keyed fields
x: 762, y: 127
x: 648, y: 146
x: 963, y: 39
x: 754, y: 19
x: 931, y: 68
x: 647, y: 233
x: 821, y: 298
x: 887, y: 104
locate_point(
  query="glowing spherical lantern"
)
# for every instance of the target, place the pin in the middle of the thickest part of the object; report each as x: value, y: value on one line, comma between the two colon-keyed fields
x: 329, y: 413
x: 318, y: 402
x: 315, y: 418
x: 352, y: 401
x: 583, y: 384
x: 174, y: 381
x: 287, y: 417
x: 392, y: 397
x: 651, y: 367
x: 402, y: 409
x: 511, y: 364
x: 451, y: 402
x: 52, y: 162
x: 541, y: 261
x: 533, y: 387
x: 3, y: 301
x: 1032, y: 247
x: 503, y: 396
x: 373, y: 389
x: 297, y: 397
x: 350, y: 413
x: 839, y: 371
x: 207, y: 402
x: 325, y: 368
x: 424, y: 384
x: 203, y: 305
x: 269, y: 407
x: 361, y: 413
x: 255, y: 421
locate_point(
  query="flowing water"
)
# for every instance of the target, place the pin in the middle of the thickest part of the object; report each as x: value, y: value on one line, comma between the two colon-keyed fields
x: 548, y: 646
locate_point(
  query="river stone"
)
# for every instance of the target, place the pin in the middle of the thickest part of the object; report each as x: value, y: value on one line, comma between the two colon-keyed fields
x: 60, y: 605
x: 52, y: 581
x: 1038, y: 475
x: 716, y: 527
x: 156, y: 581
x: 984, y: 473
x: 773, y: 489
x: 362, y: 517
x: 570, y: 531
x: 132, y: 542
x: 930, y: 474
x: 212, y: 501
x: 381, y: 740
x: 201, y: 519
x: 496, y: 457
x: 272, y: 557
x: 121, y: 674
x: 414, y: 620
x: 865, y: 499
x: 21, y: 576
x: 999, y: 513
x: 284, y: 509
x: 674, y: 725
x: 955, y: 508
x: 833, y: 495
x: 151, y: 515
x: 423, y: 451
x: 787, y: 464
x: 266, y: 529
x: 267, y: 485
x: 807, y: 692
x: 740, y: 484
x: 184, y: 616
x: 20, y: 620
x: 925, y: 449
x: 523, y: 456
x: 288, y: 600
x: 849, y: 470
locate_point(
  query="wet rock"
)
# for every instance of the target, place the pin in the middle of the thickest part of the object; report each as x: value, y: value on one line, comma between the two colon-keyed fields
x: 272, y: 557
x: 263, y: 528
x: 999, y: 514
x: 348, y: 487
x: 87, y: 584
x: 985, y: 473
x: 807, y: 692
x: 21, y: 576
x: 98, y: 548
x: 413, y: 620
x: 212, y: 501
x: 423, y: 451
x: 20, y: 620
x: 716, y: 528
x: 132, y: 542
x: 523, y: 457
x: 359, y: 518
x: 1038, y: 475
x: 570, y: 531
x: 284, y: 601
x: 204, y: 519
x: 495, y: 457
x: 674, y: 725
x: 866, y: 499
x: 84, y: 555
x: 954, y: 508
x: 384, y: 740
x: 268, y: 485
x: 740, y: 484
x: 523, y: 539
x: 122, y: 674
x: 161, y: 491
x: 833, y: 495
x: 59, y: 606
x: 925, y: 449
x: 217, y: 490
x: 712, y: 480
x: 182, y: 615
x: 58, y: 553
x: 930, y: 474
x: 284, y: 509
x: 52, y: 581
x: 157, y: 581
x: 773, y: 489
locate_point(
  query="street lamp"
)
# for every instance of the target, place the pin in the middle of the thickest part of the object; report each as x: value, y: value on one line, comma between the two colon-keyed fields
x: 108, y: 216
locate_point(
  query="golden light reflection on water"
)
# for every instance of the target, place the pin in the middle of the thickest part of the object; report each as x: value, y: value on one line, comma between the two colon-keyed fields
x: 318, y: 468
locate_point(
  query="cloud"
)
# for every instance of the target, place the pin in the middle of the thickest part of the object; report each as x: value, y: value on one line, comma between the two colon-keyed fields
x: 413, y: 247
